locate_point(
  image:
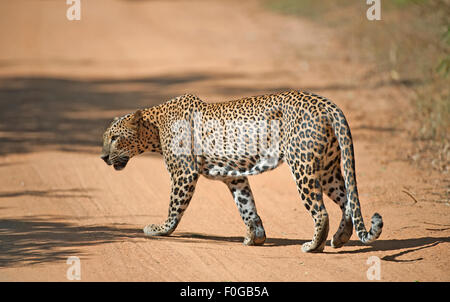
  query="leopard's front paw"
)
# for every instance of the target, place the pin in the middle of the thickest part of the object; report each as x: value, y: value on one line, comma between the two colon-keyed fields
x: 156, y: 230
x: 255, y: 233
x: 253, y: 240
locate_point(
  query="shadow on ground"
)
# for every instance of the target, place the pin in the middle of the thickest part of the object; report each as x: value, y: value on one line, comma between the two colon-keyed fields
x: 33, y: 240
x: 405, y: 245
x: 56, y: 193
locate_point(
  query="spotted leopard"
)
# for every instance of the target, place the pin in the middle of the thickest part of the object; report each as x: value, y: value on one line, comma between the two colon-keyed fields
x: 230, y: 141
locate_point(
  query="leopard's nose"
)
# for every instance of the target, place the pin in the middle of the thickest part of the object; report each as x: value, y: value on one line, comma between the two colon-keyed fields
x: 106, y: 159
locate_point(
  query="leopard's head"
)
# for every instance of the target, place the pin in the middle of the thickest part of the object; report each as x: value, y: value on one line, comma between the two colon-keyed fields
x: 122, y: 140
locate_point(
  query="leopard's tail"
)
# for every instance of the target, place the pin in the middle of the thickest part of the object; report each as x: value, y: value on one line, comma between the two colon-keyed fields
x: 352, y: 207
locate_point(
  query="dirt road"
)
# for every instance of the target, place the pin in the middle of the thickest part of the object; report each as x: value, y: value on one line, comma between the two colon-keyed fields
x: 62, y: 81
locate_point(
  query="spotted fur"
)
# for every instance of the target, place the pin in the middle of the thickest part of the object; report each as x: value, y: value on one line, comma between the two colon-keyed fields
x: 305, y: 130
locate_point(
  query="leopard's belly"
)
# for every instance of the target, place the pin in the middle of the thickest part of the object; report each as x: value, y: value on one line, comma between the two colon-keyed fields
x: 220, y: 167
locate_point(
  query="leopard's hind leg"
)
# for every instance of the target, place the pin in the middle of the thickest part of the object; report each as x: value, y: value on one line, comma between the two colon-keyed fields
x: 307, y: 178
x: 333, y: 185
x: 304, y: 155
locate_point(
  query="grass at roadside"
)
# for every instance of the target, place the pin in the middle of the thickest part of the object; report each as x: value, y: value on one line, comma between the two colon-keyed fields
x: 410, y: 44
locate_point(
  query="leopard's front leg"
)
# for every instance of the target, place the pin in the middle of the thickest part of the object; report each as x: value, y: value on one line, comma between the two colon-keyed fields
x: 243, y: 197
x: 180, y: 195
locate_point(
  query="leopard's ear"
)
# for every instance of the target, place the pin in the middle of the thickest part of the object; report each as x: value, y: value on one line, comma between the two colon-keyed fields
x: 136, y: 119
x: 116, y: 119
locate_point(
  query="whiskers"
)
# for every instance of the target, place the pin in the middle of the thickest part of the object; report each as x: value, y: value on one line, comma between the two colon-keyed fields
x: 119, y: 160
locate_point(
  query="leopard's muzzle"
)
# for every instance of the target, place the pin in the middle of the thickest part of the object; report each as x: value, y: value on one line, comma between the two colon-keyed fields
x: 120, y: 162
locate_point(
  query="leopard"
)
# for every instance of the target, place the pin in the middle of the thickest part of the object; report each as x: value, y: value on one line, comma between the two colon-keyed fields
x: 230, y: 141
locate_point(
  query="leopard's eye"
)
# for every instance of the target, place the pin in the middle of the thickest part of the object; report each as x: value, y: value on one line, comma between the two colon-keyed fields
x: 114, y: 138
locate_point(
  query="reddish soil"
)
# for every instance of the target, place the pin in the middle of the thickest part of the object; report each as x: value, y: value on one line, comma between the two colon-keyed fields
x: 62, y: 81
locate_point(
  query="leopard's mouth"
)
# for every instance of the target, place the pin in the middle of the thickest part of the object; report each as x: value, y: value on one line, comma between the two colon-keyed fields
x: 120, y: 162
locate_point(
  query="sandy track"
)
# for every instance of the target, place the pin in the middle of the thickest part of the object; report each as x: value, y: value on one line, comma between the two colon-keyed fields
x: 61, y: 82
